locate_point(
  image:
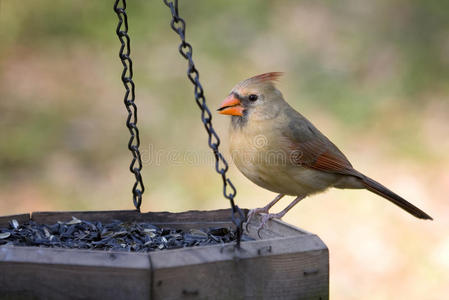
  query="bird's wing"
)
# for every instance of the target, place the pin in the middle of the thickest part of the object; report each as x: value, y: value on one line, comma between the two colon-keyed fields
x: 309, y: 148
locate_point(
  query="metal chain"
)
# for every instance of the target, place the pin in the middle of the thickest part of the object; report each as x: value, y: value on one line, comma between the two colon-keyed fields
x: 131, y: 122
x: 221, y: 166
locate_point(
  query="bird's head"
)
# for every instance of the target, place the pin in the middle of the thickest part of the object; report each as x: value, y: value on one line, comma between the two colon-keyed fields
x: 255, y: 95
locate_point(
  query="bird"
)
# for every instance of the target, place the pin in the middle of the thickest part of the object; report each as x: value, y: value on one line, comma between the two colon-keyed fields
x: 280, y: 150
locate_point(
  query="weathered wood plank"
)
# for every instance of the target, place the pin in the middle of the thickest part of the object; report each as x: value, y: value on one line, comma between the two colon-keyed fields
x: 221, y: 215
x: 184, y: 220
x: 283, y: 268
x: 40, y: 273
x: 21, y: 218
x: 82, y: 257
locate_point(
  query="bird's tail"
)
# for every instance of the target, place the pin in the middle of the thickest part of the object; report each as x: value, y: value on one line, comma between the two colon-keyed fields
x: 380, y: 190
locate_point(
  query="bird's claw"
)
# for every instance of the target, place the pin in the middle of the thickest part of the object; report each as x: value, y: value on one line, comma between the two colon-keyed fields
x: 265, y: 218
x: 254, y: 211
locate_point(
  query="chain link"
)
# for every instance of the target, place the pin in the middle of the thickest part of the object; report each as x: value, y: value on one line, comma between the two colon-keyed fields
x: 221, y: 166
x: 131, y: 121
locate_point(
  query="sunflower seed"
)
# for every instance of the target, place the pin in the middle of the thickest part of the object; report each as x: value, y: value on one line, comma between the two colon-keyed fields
x: 14, y: 224
x: 5, y: 235
x: 73, y: 221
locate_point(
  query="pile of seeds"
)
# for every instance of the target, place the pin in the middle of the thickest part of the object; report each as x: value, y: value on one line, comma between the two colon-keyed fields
x: 116, y: 235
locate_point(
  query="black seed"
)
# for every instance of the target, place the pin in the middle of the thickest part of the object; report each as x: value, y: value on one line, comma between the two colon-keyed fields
x: 116, y: 235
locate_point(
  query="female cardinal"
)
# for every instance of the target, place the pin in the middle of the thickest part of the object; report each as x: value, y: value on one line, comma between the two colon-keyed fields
x: 280, y: 150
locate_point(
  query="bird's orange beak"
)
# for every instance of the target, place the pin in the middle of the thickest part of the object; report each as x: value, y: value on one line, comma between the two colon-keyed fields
x: 231, y: 106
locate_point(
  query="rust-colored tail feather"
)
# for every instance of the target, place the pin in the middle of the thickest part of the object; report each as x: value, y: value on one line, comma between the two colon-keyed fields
x: 380, y: 190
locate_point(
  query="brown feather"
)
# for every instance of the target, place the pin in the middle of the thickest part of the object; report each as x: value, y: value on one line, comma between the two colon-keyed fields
x: 310, y: 148
x: 382, y: 191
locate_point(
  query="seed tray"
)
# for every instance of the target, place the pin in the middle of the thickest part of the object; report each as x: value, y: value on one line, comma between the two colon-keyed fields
x: 115, y: 235
x: 285, y: 262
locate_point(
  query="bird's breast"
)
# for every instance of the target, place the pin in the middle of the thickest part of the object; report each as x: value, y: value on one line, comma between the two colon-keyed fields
x: 259, y: 153
x: 258, y: 156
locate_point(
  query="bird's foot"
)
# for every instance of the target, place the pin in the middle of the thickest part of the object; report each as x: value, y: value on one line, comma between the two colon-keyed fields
x: 255, y: 211
x: 264, y: 209
x: 266, y: 218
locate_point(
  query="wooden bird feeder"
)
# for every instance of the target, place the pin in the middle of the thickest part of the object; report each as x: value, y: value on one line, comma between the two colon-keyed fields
x: 283, y: 262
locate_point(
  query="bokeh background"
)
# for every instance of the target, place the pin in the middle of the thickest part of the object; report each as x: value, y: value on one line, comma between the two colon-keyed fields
x: 372, y: 75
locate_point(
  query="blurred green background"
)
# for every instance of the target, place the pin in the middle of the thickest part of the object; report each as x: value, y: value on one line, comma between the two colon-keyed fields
x: 372, y: 75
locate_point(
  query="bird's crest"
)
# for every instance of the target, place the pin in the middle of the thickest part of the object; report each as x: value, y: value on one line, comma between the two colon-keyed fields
x: 261, y: 79
x: 271, y: 76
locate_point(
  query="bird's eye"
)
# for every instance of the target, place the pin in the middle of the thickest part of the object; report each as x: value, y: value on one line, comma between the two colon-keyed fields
x: 252, y: 97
